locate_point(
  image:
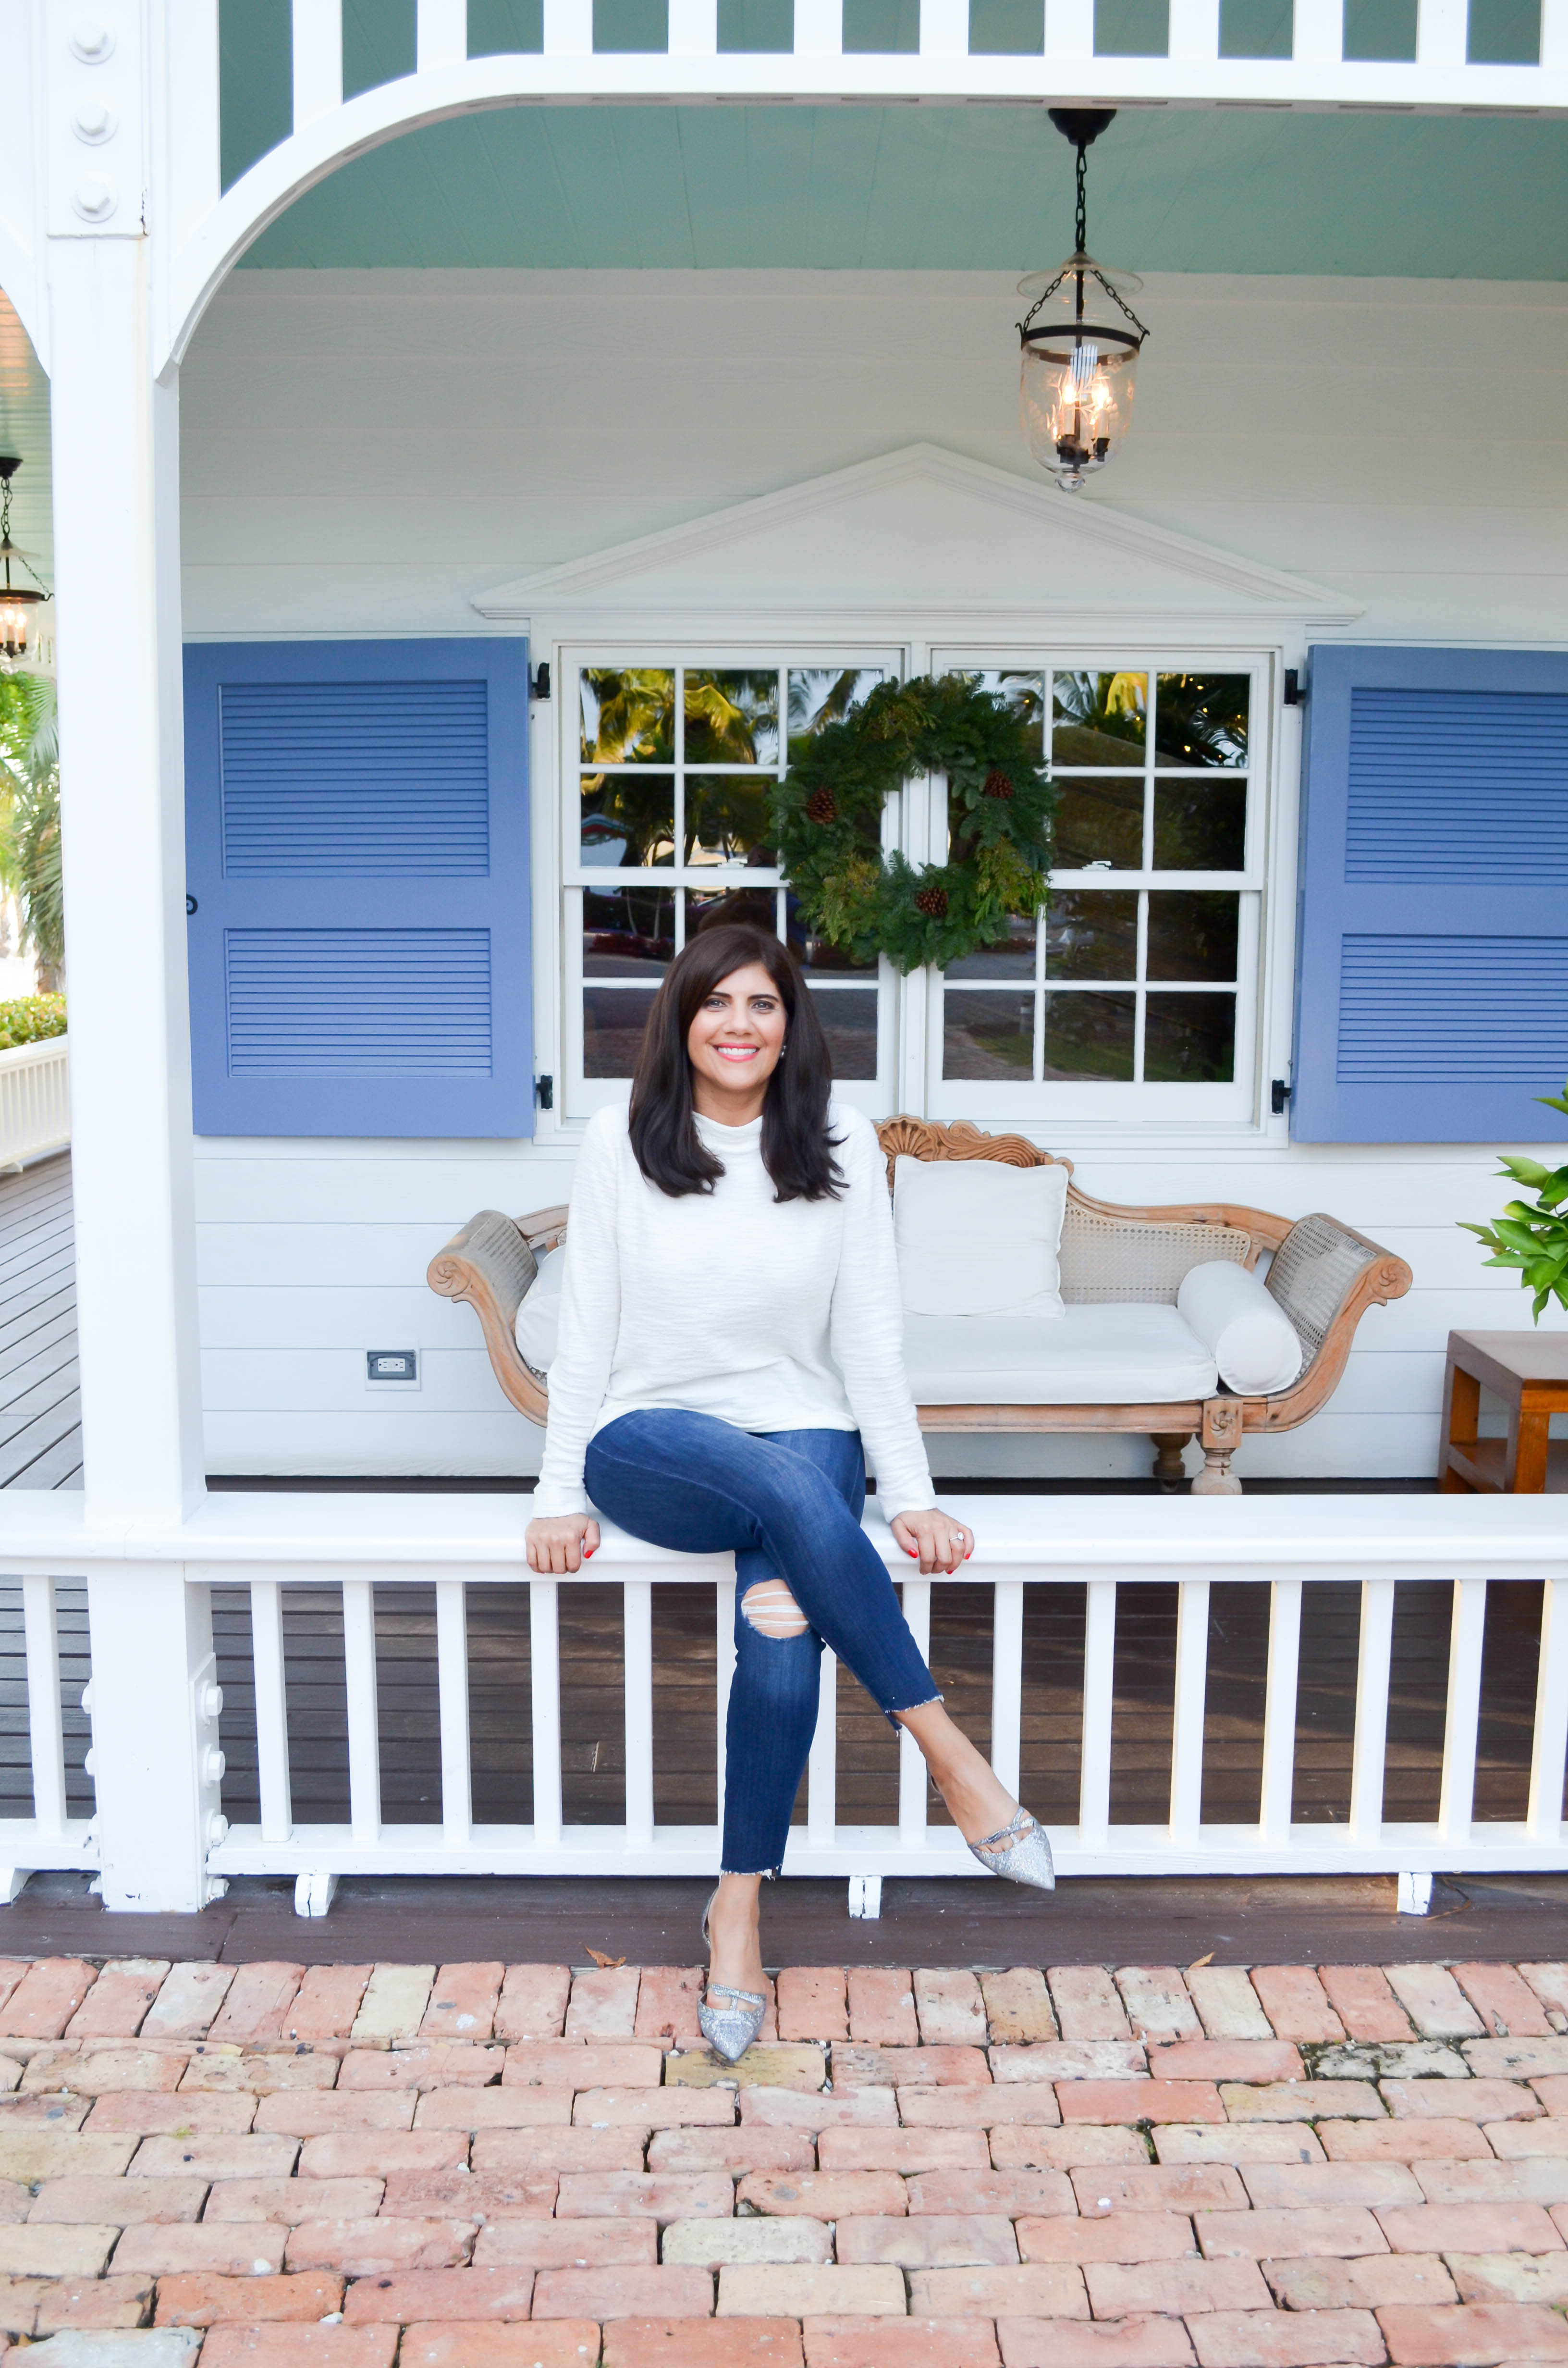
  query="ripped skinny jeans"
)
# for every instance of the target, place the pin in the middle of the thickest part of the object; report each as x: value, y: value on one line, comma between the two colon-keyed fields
x: 788, y: 1504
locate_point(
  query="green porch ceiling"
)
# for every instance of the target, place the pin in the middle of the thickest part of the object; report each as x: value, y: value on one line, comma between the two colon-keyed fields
x: 851, y: 188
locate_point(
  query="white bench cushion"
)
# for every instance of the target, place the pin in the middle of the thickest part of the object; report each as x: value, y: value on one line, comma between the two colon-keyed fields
x: 538, y: 1314
x: 977, y: 1238
x: 1252, y: 1340
x: 1114, y: 1355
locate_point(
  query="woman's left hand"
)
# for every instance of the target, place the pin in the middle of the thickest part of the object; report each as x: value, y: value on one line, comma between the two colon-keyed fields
x: 940, y: 1541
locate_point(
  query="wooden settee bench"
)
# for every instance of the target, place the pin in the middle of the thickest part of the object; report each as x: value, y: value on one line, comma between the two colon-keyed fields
x: 1323, y: 1274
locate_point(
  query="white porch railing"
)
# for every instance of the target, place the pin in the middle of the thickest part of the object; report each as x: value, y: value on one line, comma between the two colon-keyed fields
x: 35, y: 1100
x: 158, y: 1774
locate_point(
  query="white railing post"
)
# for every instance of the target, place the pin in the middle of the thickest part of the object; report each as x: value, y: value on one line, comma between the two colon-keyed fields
x: 271, y: 1710
x: 441, y: 39
x: 46, y: 1732
x: 1279, y: 1711
x: 1549, y: 1748
x: 1372, y: 1662
x: 1008, y: 1680
x: 1099, y: 1701
x: 911, y: 1763
x: 154, y: 1708
x: 638, y: 1663
x: 1191, y: 1691
x: 822, y: 1777
x: 451, y: 1673
x: 1466, y: 1635
x: 318, y: 60
x: 545, y: 1675
x: 364, y: 1721
x: 116, y: 486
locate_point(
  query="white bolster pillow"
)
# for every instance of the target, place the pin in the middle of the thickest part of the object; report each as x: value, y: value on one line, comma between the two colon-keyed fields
x: 1245, y: 1330
x: 538, y: 1316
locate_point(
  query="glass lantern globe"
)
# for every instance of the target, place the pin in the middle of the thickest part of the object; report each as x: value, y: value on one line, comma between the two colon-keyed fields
x: 1077, y: 374
x: 21, y: 603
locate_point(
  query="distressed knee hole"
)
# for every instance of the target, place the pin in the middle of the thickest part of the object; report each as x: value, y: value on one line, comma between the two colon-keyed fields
x: 772, y: 1611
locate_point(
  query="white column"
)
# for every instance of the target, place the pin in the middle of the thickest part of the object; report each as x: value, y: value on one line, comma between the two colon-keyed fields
x: 156, y: 1705
x: 115, y: 437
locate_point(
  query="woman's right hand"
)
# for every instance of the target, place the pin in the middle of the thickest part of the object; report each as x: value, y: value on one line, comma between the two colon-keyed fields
x: 561, y: 1543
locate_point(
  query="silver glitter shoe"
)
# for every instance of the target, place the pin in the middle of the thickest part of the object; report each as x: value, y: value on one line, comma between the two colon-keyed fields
x: 1026, y: 1858
x: 729, y: 2030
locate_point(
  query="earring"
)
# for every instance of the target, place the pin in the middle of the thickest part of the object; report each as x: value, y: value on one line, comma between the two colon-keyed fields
x: 784, y: 1047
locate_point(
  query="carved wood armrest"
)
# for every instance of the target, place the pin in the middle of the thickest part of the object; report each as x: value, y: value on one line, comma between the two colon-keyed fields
x: 491, y: 1265
x: 1352, y: 1273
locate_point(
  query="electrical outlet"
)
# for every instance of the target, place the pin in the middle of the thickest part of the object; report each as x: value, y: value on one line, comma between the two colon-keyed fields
x: 391, y: 1368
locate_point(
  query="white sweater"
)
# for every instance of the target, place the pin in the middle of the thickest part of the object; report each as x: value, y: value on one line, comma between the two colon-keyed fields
x: 771, y: 1316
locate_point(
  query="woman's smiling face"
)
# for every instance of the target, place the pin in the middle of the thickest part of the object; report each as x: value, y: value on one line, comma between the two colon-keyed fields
x: 734, y: 1043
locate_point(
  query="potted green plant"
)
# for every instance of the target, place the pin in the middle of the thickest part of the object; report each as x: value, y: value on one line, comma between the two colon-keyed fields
x: 1533, y: 1236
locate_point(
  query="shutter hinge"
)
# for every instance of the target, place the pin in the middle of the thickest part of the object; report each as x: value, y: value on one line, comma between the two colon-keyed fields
x: 1278, y: 1095
x: 539, y: 687
x: 544, y: 1092
x: 1295, y: 689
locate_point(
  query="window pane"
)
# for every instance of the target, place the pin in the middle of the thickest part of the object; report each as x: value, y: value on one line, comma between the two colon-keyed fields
x: 850, y: 1022
x: 757, y: 905
x: 1190, y: 1039
x: 1089, y: 1038
x: 731, y: 718
x: 613, y: 1021
x: 1100, y: 823
x: 1201, y: 825
x: 1091, y: 935
x: 726, y: 818
x: 820, y: 695
x: 1010, y: 957
x: 628, y: 715
x: 631, y: 934
x: 988, y: 1036
x: 1098, y: 719
x: 627, y: 819
x: 814, y: 954
x: 1193, y: 935
x: 1202, y: 719
x: 1025, y: 693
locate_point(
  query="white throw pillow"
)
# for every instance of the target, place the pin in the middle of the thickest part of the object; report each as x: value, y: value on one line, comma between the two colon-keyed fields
x: 975, y: 1237
x: 538, y: 1316
x: 1250, y: 1336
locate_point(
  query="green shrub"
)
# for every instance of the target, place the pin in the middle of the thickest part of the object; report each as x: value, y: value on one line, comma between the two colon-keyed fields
x: 1533, y: 1236
x: 30, y: 1020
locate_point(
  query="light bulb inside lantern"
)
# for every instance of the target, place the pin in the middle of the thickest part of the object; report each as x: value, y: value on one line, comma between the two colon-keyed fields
x: 1075, y: 403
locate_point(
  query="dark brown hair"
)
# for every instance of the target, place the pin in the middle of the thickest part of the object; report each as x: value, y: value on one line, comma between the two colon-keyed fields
x: 797, y: 1149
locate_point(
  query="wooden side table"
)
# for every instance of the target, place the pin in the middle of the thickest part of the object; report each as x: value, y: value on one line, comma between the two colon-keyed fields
x: 1528, y: 1370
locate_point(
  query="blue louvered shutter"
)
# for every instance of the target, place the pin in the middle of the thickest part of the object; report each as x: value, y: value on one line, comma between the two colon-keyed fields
x: 357, y: 844
x: 1432, y: 957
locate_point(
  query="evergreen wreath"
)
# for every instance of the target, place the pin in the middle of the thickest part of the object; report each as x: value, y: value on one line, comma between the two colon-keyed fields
x: 827, y: 812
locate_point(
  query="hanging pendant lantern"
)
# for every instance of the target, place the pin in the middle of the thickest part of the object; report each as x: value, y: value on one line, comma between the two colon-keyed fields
x: 1076, y: 378
x: 22, y: 647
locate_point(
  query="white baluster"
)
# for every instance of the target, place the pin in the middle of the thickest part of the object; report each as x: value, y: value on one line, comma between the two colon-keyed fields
x: 452, y: 1671
x: 1550, y: 1745
x: 1191, y: 1689
x: 1554, y: 35
x: 724, y: 1655
x: 822, y: 1793
x: 568, y: 29
x: 1008, y: 1680
x: 944, y: 28
x: 1280, y: 1712
x: 911, y: 1764
x: 1319, y: 34
x: 819, y: 29
x: 45, y: 1727
x: 442, y: 35
x: 1466, y: 1634
x: 1372, y: 1711
x: 693, y: 29
x: 364, y: 1738
x: 638, y: 1665
x: 271, y: 1710
x: 318, y: 60
x: 1442, y: 35
x: 1069, y: 30
x: 544, y: 1669
x: 1194, y: 37
x: 1099, y: 1694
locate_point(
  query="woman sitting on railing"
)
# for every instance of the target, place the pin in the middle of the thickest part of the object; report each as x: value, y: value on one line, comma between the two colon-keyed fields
x: 729, y: 1328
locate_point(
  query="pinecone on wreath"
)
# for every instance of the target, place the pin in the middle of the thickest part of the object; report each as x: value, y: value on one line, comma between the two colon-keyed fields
x: 933, y: 903
x: 996, y: 785
x: 822, y: 806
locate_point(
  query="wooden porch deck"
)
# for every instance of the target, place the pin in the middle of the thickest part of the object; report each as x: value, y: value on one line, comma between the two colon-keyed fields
x: 40, y: 1412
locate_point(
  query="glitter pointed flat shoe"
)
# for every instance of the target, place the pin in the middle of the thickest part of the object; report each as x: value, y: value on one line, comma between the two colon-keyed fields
x: 1027, y: 1855
x: 729, y: 2030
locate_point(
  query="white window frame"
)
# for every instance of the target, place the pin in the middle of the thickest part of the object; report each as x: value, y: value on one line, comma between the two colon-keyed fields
x: 1053, y: 1103
x: 581, y: 1096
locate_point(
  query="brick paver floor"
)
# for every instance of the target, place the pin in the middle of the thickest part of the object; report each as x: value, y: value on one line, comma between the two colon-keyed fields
x: 488, y: 2166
